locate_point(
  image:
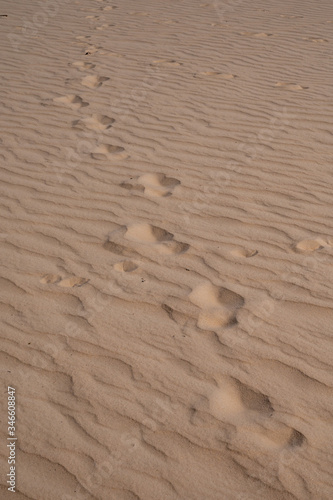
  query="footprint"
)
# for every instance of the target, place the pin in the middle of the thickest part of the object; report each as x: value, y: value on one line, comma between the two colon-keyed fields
x: 277, y: 436
x: 110, y: 152
x: 104, y: 26
x: 94, y: 122
x: 165, y: 62
x: 173, y: 247
x: 215, y: 317
x: 111, y: 54
x: 290, y: 86
x: 127, y: 266
x: 110, y: 7
x: 71, y: 100
x: 92, y: 18
x: 207, y: 295
x: 244, y: 252
x: 262, y: 35
x: 55, y: 279
x: 136, y: 240
x: 92, y: 49
x: 148, y: 234
x: 233, y: 399
x: 72, y: 281
x: 218, y: 306
x: 167, y: 21
x: 251, y: 411
x: 225, y: 76
x: 83, y: 66
x: 308, y: 246
x: 256, y: 35
x: 136, y: 13
x: 316, y: 40
x: 157, y: 184
x: 93, y: 81
x: 291, y: 17
x: 83, y: 37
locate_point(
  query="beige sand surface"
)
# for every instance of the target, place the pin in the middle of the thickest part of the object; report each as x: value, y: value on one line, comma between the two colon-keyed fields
x: 167, y: 248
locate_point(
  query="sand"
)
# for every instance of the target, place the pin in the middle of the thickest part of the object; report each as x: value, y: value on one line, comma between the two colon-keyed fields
x: 167, y: 243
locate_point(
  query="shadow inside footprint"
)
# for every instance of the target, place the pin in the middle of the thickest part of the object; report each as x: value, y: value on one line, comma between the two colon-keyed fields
x: 296, y: 439
x: 131, y: 187
x: 254, y: 401
x: 115, y: 248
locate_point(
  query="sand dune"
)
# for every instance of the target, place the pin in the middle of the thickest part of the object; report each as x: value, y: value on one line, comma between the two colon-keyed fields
x: 167, y: 244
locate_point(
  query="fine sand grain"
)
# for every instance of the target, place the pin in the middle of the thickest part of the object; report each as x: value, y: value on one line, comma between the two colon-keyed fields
x: 167, y: 249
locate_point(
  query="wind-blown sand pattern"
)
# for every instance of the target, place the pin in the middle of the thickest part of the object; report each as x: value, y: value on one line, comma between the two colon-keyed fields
x: 167, y: 249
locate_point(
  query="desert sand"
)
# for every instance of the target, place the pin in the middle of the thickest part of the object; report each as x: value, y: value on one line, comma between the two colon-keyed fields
x: 166, y: 249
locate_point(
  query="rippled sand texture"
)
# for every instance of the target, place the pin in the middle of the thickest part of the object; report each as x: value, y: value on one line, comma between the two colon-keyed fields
x: 167, y: 248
